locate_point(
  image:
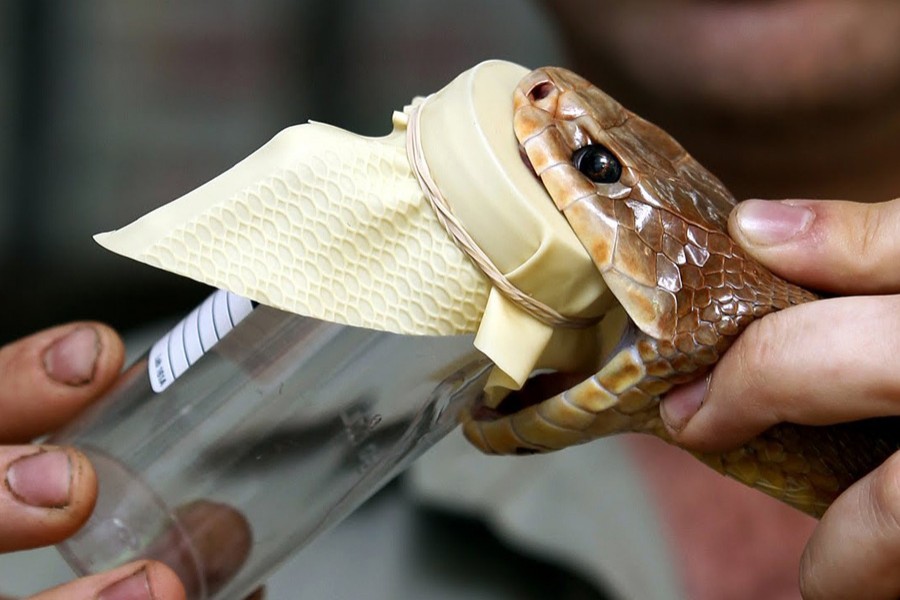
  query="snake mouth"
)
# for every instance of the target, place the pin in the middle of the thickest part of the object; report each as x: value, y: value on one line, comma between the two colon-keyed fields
x: 543, y: 385
x: 538, y: 388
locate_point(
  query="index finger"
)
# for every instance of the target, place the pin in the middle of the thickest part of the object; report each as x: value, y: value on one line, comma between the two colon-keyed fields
x: 828, y: 245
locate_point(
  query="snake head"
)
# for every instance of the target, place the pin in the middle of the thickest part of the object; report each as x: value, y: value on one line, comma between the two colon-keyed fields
x: 654, y: 222
x: 644, y: 209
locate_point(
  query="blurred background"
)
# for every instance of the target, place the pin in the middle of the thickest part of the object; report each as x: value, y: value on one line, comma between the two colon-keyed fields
x: 110, y: 109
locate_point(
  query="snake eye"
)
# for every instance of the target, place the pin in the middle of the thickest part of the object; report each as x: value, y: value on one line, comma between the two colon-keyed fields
x: 597, y: 163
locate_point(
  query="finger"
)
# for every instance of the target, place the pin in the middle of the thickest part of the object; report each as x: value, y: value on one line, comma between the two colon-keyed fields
x: 45, y: 379
x: 221, y: 540
x: 834, y: 246
x: 46, y: 494
x: 143, y: 580
x: 815, y: 364
x: 856, y: 546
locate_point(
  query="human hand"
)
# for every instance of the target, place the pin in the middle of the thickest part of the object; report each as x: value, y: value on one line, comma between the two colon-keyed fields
x: 48, y: 492
x: 820, y: 363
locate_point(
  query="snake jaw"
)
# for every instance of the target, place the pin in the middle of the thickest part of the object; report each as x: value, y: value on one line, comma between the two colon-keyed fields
x: 555, y: 410
x: 552, y: 121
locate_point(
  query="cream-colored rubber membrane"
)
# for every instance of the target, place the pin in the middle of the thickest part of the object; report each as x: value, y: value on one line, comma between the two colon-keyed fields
x: 328, y: 224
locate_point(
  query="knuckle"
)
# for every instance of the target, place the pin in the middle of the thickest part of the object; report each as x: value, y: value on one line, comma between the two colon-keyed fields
x: 756, y: 351
x: 810, y: 587
x: 884, y: 312
x: 885, y: 495
x: 870, y: 233
x: 874, y: 239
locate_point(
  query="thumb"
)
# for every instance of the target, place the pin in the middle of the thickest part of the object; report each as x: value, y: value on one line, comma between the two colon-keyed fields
x: 829, y: 245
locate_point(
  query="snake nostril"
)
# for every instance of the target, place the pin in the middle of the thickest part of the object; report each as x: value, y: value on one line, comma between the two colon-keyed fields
x: 540, y: 91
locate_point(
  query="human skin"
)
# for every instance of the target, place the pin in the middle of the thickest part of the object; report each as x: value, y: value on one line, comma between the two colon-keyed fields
x: 787, y: 99
x: 45, y: 380
x: 47, y: 492
x: 779, y: 98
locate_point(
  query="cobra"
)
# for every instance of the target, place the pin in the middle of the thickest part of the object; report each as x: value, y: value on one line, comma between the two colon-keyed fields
x: 654, y: 223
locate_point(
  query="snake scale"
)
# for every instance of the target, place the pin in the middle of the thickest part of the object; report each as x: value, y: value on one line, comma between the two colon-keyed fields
x: 654, y: 222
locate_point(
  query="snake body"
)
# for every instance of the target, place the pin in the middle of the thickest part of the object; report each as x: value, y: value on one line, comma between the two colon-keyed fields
x: 654, y: 222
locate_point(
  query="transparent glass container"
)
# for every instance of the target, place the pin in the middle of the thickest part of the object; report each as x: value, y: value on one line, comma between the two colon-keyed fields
x: 272, y: 436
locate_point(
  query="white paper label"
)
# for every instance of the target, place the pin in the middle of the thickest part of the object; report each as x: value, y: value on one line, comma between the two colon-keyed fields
x: 176, y: 351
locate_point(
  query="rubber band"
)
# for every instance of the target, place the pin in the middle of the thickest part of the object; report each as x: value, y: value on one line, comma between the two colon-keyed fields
x: 537, y: 309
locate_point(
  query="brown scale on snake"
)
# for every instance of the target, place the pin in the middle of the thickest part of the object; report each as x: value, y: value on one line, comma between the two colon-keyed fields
x: 654, y: 223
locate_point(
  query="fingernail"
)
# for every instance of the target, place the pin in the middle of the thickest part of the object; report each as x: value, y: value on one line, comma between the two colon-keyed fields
x: 133, y: 587
x: 41, y: 479
x: 770, y: 222
x: 682, y: 403
x: 71, y: 359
